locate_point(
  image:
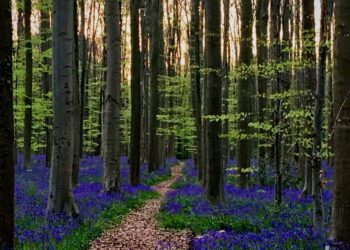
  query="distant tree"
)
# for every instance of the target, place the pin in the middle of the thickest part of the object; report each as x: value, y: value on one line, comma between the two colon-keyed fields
x: 135, y: 147
x: 277, y: 89
x: 60, y: 188
x: 262, y: 12
x: 196, y: 81
x: 46, y: 83
x: 154, y: 160
x: 310, y: 80
x: 28, y: 113
x: 6, y: 129
x: 76, y: 96
x: 111, y: 144
x: 214, y: 183
x: 244, y: 90
x: 226, y: 61
x: 341, y: 187
x: 318, y: 120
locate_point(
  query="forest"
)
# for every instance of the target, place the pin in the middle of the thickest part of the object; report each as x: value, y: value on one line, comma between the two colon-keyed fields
x: 175, y: 124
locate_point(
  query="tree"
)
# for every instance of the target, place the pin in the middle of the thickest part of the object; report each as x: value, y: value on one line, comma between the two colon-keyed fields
x: 28, y: 114
x: 277, y: 88
x: 154, y: 160
x: 60, y: 189
x: 262, y: 12
x: 341, y: 188
x: 46, y: 74
x: 111, y: 146
x: 135, y: 147
x: 76, y: 96
x: 214, y: 183
x: 245, y: 84
x: 196, y: 81
x: 226, y: 80
x: 309, y: 60
x: 6, y: 129
x: 318, y: 121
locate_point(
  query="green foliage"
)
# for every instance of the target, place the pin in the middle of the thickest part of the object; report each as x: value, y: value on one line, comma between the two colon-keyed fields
x: 202, y: 224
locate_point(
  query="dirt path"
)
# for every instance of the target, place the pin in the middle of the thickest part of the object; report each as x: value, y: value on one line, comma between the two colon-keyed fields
x: 140, y: 230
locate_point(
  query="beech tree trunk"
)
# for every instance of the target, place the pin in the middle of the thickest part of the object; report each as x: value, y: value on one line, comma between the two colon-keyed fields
x: 154, y: 160
x: 111, y: 178
x: 46, y: 83
x: 135, y: 147
x: 262, y: 57
x: 309, y: 59
x: 6, y: 129
x: 28, y: 112
x: 244, y: 90
x: 318, y: 121
x: 341, y: 186
x: 77, y: 126
x: 60, y: 188
x: 196, y: 81
x: 214, y: 183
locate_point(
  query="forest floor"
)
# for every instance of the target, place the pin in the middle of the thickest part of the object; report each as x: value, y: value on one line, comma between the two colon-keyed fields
x: 140, y: 229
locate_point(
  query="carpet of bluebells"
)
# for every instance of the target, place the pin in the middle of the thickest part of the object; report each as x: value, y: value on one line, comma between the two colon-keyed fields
x: 249, y: 218
x: 31, y: 191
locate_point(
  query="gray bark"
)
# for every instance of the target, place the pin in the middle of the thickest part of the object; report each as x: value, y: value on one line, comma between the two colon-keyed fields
x: 60, y: 189
x: 111, y: 178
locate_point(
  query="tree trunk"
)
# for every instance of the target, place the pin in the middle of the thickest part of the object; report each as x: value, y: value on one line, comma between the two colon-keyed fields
x: 7, y: 164
x: 245, y: 83
x: 277, y: 89
x: 135, y: 148
x: 83, y: 52
x: 196, y: 81
x: 341, y: 187
x: 154, y: 157
x: 262, y: 57
x: 60, y: 190
x: 318, y: 122
x: 309, y: 59
x: 214, y: 187
x: 144, y: 78
x: 28, y: 113
x: 111, y: 178
x: 46, y: 83
x: 77, y: 127
x: 226, y: 81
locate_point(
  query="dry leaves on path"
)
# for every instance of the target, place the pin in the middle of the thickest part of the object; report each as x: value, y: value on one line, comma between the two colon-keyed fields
x: 140, y: 230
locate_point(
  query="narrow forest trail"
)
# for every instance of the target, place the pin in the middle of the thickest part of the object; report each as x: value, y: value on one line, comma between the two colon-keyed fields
x: 140, y: 230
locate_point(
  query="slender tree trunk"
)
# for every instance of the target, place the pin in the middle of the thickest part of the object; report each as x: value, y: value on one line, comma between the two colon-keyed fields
x: 7, y: 164
x: 77, y: 127
x: 144, y: 77
x: 278, y: 88
x: 309, y: 60
x: 46, y: 76
x: 262, y: 57
x: 154, y: 157
x: 214, y: 187
x: 196, y: 81
x: 60, y: 189
x: 28, y: 113
x: 341, y: 187
x: 111, y: 178
x: 135, y: 149
x: 83, y: 52
x: 226, y: 80
x: 245, y: 83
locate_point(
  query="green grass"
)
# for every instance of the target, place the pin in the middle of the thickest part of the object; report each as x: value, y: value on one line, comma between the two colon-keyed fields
x: 81, y: 238
x: 156, y: 180
x: 202, y: 224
